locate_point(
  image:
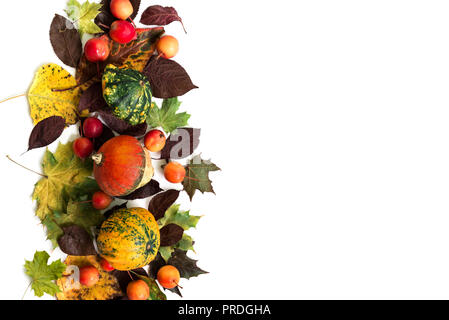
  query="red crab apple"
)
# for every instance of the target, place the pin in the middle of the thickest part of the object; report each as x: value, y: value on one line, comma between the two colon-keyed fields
x: 121, y: 9
x: 138, y: 290
x: 155, y: 140
x: 89, y: 276
x: 122, y: 31
x: 168, y: 276
x: 101, y: 200
x: 168, y: 47
x: 83, y: 147
x: 96, y: 50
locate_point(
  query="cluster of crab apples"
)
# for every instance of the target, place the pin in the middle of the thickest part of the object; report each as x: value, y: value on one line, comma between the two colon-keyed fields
x: 154, y: 141
x: 123, y: 31
x: 168, y: 277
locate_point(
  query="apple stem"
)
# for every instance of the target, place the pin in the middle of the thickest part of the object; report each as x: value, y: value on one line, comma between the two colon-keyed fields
x: 18, y: 96
x: 104, y: 26
x: 81, y: 202
x: 42, y: 175
x: 132, y: 21
x: 130, y: 276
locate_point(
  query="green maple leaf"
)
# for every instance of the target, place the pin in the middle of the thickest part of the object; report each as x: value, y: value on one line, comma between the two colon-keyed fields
x: 166, y: 117
x: 185, y: 221
x: 80, y: 214
x: 43, y: 275
x: 181, y: 218
x: 197, y: 176
x: 63, y: 171
x: 83, y: 16
x: 80, y: 192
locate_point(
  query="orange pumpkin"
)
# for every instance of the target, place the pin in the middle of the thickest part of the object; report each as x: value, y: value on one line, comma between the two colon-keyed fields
x: 122, y: 165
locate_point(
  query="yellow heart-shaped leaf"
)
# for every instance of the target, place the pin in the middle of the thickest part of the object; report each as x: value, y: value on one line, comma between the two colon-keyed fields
x: 45, y: 102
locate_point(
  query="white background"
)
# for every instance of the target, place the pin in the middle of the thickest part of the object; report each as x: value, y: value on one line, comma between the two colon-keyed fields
x: 330, y: 120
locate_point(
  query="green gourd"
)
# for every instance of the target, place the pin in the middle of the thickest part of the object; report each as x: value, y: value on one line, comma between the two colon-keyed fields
x: 128, y: 93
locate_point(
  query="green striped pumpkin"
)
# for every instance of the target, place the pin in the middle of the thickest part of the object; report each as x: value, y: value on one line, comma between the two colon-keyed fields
x: 129, y: 239
x: 128, y: 93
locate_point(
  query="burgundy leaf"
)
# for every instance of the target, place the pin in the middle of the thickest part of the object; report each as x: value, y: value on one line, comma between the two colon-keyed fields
x: 92, y: 99
x: 46, y: 132
x: 122, y: 127
x: 161, y: 202
x: 156, y: 265
x: 167, y: 78
x: 177, y: 147
x: 107, y: 135
x: 105, y: 17
x: 160, y: 16
x: 76, y: 242
x: 187, y: 267
x: 146, y: 191
x: 171, y: 234
x: 65, y: 41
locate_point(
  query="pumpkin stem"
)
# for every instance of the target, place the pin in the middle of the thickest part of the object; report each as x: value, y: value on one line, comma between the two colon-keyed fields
x: 97, y: 158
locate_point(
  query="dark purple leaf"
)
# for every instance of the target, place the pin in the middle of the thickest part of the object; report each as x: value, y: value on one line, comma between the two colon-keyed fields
x: 46, y: 132
x: 66, y: 41
x: 177, y: 147
x: 160, y: 16
x: 92, y: 99
x: 105, y: 136
x: 187, y: 267
x: 125, y: 277
x: 161, y: 202
x: 76, y: 242
x: 167, y: 78
x: 122, y: 127
x: 108, y: 213
x: 171, y: 234
x: 155, y: 265
x: 146, y: 191
x: 176, y: 290
x: 105, y: 17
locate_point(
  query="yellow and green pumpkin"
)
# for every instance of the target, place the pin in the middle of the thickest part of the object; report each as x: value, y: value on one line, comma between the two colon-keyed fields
x: 129, y: 239
x: 128, y: 93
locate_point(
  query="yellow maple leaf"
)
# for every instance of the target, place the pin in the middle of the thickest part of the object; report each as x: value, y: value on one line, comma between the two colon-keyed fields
x: 62, y: 170
x: 105, y: 289
x: 45, y: 102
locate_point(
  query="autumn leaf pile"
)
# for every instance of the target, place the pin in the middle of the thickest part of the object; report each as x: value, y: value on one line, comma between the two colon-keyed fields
x: 57, y: 100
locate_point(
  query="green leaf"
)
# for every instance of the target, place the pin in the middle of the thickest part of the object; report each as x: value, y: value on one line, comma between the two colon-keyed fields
x: 185, y: 221
x: 185, y: 244
x: 43, y: 275
x: 166, y: 252
x: 181, y: 218
x: 155, y: 291
x: 83, y: 16
x: 197, y: 176
x: 166, y: 117
x: 63, y: 171
x: 80, y: 214
x: 54, y: 231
